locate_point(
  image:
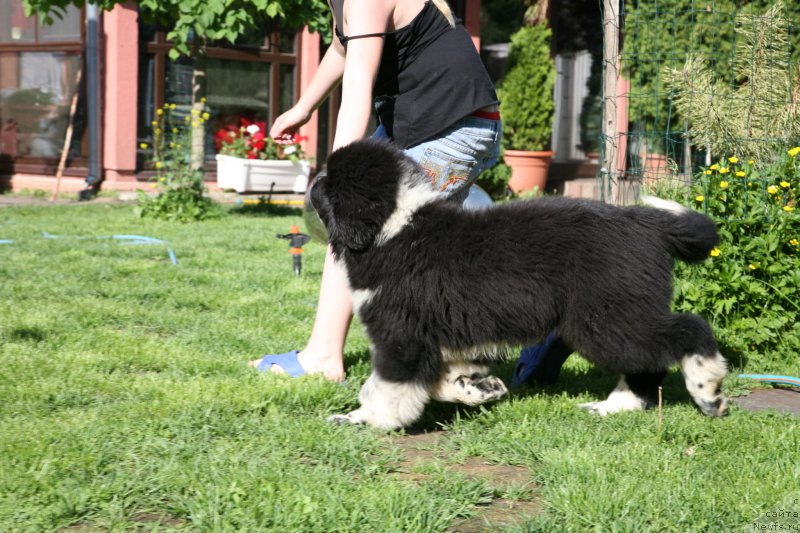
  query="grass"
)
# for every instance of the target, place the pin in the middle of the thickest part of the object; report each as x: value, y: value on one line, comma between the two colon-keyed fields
x: 125, y: 403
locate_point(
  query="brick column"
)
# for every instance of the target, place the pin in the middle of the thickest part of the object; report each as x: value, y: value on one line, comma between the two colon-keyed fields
x: 472, y: 21
x: 309, y: 61
x: 121, y: 36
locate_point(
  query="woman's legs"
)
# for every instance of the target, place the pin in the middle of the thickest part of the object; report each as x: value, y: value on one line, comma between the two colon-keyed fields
x: 324, y: 352
x: 454, y: 160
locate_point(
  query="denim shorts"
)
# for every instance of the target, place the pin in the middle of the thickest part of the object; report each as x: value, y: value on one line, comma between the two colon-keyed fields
x: 454, y: 158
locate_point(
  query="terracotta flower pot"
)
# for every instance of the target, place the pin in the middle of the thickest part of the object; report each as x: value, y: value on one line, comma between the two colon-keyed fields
x: 528, y: 169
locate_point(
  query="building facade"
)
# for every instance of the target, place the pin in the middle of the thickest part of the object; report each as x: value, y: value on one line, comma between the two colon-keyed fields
x: 42, y: 70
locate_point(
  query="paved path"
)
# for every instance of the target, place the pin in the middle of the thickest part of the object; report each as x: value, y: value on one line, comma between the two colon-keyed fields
x: 783, y: 400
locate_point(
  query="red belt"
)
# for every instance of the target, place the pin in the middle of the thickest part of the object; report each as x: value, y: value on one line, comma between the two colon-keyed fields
x: 491, y: 115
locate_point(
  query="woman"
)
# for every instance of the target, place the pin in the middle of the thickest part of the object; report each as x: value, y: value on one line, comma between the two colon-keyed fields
x: 433, y: 97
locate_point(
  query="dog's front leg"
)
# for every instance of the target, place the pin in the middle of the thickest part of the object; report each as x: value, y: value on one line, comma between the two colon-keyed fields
x: 386, y: 404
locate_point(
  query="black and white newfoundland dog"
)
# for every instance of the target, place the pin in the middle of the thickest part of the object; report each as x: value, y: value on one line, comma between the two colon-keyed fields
x: 442, y: 291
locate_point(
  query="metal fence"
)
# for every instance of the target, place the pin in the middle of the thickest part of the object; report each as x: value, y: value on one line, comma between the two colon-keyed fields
x: 687, y: 83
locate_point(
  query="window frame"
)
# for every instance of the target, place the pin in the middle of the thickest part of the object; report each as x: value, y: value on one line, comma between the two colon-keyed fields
x: 26, y: 164
x: 270, y: 53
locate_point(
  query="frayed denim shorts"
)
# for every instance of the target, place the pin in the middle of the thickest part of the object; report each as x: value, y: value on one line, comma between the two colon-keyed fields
x: 454, y: 158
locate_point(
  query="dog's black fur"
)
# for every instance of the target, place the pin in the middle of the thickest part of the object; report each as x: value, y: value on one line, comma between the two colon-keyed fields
x: 598, y: 275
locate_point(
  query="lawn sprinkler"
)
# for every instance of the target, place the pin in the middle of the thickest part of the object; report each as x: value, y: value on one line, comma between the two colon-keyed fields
x: 296, y: 242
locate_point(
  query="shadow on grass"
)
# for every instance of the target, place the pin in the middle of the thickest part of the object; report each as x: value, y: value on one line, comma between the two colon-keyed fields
x: 263, y: 208
x: 572, y: 383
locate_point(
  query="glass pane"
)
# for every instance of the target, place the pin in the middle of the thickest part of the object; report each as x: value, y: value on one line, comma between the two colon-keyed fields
x: 66, y: 28
x: 35, y: 94
x: 15, y: 27
x: 147, y: 102
x: 236, y: 90
x: 287, y: 87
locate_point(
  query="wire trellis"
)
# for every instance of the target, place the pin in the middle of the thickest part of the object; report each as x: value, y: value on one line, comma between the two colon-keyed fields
x: 690, y: 83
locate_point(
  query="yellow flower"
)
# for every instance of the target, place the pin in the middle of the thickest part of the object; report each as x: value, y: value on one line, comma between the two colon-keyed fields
x: 174, y: 130
x: 788, y: 208
x: 750, y: 162
x: 154, y: 123
x: 785, y: 184
x: 724, y: 170
x: 159, y: 164
x: 172, y: 106
x: 772, y: 189
x: 159, y: 112
x: 195, y: 124
x: 794, y: 242
x: 753, y: 266
x: 708, y: 172
x: 172, y: 145
x: 206, y: 116
x: 723, y: 184
x: 714, y: 166
x: 163, y: 180
x: 740, y: 173
x: 700, y: 198
x: 203, y: 99
x: 158, y: 131
x: 733, y: 159
x: 794, y: 151
x: 143, y: 146
x: 715, y: 252
x: 195, y: 112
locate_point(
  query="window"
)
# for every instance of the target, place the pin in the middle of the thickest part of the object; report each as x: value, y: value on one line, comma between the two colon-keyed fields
x: 38, y: 72
x: 256, y: 80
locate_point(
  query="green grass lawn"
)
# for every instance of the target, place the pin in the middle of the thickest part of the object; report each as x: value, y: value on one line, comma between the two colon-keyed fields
x: 126, y: 403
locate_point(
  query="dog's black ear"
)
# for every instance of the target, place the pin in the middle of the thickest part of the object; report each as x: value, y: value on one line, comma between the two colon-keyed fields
x: 358, y: 194
x: 351, y: 225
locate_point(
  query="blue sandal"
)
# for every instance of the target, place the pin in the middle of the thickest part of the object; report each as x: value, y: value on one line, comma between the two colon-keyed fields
x: 542, y: 362
x: 287, y: 361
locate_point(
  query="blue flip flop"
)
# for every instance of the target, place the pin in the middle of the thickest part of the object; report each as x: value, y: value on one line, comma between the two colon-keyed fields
x: 287, y: 361
x: 541, y: 363
x: 530, y: 358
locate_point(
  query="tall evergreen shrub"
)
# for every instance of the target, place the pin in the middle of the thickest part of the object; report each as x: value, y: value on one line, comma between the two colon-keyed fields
x: 526, y: 92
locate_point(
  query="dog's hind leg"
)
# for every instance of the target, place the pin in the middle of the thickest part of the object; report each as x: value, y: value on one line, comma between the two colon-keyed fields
x: 702, y: 365
x: 467, y: 383
x: 626, y: 396
x: 387, y: 404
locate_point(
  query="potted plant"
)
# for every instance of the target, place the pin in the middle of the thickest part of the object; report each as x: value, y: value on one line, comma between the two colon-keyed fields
x: 248, y: 160
x: 527, y: 107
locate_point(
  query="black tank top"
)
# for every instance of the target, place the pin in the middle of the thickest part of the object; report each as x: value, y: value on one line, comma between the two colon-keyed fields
x: 430, y: 76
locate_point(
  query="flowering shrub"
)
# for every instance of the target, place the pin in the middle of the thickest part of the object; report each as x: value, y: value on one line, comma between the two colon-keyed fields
x: 250, y: 140
x: 750, y: 286
x: 181, y: 193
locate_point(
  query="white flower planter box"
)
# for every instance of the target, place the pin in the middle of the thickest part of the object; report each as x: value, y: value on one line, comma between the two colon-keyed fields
x: 258, y: 175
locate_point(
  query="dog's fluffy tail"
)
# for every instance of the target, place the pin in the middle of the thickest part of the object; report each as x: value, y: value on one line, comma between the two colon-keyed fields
x: 689, y: 235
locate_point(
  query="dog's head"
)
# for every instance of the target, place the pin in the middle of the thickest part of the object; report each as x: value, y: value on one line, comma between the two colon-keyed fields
x: 364, y: 184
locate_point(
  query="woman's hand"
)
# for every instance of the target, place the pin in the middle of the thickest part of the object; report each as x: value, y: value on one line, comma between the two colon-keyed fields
x: 288, y: 124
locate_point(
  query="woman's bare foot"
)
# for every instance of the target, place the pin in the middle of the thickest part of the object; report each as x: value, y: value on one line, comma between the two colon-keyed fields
x: 332, y: 367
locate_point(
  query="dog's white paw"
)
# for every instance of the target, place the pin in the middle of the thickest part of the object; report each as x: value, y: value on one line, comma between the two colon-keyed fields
x: 593, y: 407
x: 472, y: 389
x: 489, y: 389
x: 614, y: 405
x: 343, y: 419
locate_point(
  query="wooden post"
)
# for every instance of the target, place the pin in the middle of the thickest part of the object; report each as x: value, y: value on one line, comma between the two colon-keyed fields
x: 68, y: 136
x: 611, y: 22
